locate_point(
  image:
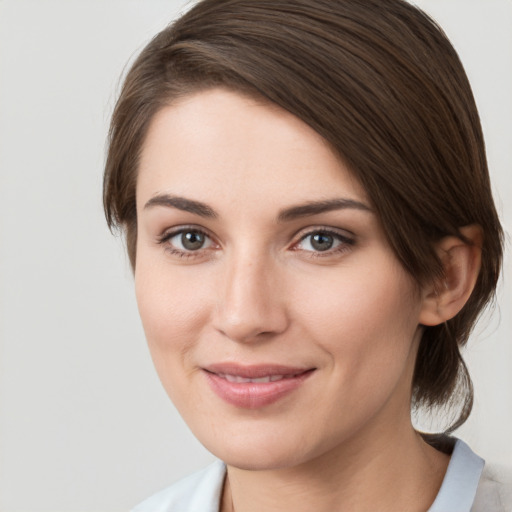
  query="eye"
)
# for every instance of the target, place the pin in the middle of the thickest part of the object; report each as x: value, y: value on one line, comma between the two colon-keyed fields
x: 186, y: 240
x: 324, y: 241
x: 190, y: 240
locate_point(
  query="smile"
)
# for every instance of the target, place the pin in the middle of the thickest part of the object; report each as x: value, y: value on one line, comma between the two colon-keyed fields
x: 269, y: 378
x: 252, y: 387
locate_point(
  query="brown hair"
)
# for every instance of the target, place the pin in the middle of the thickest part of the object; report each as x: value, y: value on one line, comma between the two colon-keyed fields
x: 379, y: 80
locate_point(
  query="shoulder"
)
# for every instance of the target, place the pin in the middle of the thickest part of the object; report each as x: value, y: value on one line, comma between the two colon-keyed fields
x: 494, y: 493
x: 199, y: 492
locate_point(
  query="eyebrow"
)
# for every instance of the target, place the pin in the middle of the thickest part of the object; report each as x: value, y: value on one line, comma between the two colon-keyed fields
x: 182, y: 203
x: 317, y: 207
x: 288, y: 214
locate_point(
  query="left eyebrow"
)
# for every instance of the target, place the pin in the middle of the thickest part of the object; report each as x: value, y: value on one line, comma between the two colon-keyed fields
x: 316, y: 207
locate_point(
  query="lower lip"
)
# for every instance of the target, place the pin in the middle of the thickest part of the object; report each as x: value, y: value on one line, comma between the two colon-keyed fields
x: 253, y: 395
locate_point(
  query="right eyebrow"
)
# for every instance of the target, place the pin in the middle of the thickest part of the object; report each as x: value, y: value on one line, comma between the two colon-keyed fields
x: 181, y: 203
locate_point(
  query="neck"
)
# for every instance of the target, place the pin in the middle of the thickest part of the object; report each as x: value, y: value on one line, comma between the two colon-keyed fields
x: 395, y: 471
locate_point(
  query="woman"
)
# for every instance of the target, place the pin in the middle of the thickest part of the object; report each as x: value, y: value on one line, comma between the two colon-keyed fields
x: 307, y: 209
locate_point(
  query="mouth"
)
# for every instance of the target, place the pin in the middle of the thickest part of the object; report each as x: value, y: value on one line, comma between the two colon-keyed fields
x: 268, y: 378
x: 252, y: 387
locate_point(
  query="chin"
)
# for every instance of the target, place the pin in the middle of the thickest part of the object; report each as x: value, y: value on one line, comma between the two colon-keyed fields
x: 263, y: 451
x: 259, y: 459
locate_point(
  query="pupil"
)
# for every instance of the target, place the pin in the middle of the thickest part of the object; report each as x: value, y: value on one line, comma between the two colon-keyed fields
x: 192, y: 240
x: 322, y: 242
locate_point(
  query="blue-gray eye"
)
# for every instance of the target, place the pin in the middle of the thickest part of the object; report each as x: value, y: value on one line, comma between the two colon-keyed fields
x: 192, y: 240
x: 322, y: 241
x: 188, y: 240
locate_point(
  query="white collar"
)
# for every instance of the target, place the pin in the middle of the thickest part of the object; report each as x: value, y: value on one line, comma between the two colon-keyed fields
x: 460, y: 482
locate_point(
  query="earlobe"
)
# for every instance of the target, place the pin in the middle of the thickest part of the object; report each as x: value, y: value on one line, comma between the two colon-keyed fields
x: 461, y: 262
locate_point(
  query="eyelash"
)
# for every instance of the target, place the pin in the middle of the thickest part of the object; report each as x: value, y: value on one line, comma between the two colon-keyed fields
x: 345, y: 242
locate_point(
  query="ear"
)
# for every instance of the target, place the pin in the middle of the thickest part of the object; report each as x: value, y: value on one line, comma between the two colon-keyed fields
x: 461, y: 264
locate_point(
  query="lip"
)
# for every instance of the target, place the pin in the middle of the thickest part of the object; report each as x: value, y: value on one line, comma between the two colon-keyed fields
x: 230, y: 381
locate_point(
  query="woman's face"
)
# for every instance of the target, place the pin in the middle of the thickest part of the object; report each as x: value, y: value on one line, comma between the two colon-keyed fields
x: 279, y: 320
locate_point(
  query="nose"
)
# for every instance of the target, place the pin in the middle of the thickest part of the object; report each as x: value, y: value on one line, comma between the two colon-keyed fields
x: 251, y: 304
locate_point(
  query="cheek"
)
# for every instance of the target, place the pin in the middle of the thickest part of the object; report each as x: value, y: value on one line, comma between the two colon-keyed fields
x: 366, y: 328
x: 173, y: 310
x: 365, y: 321
x: 170, y: 316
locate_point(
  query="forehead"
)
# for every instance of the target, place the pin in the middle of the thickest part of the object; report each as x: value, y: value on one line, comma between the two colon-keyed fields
x: 222, y: 146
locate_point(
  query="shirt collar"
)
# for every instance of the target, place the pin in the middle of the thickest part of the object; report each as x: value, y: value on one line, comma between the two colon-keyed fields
x: 460, y: 483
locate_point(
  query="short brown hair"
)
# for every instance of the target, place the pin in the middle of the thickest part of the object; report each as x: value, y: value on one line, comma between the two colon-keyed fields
x: 379, y: 80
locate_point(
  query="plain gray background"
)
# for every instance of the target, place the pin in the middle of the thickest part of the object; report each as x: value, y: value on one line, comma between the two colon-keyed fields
x: 84, y: 423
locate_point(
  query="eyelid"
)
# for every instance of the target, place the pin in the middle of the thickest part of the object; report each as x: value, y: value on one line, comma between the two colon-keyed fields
x: 304, y: 232
x: 176, y: 230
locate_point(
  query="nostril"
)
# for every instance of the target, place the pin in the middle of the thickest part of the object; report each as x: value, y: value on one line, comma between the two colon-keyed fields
x: 245, y: 333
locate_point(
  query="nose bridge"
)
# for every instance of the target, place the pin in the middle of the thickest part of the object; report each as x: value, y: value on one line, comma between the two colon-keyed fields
x: 250, y: 304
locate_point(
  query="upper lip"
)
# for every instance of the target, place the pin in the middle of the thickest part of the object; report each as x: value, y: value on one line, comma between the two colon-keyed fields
x: 255, y: 371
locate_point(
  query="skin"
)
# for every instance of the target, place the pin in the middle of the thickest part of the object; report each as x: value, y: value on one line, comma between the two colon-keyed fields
x: 257, y: 292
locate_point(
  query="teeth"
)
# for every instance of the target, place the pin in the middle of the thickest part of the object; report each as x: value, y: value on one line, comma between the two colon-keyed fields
x: 238, y: 379
x: 261, y: 379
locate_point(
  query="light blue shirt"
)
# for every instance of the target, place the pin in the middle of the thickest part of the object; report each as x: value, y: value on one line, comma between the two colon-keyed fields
x: 466, y: 487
